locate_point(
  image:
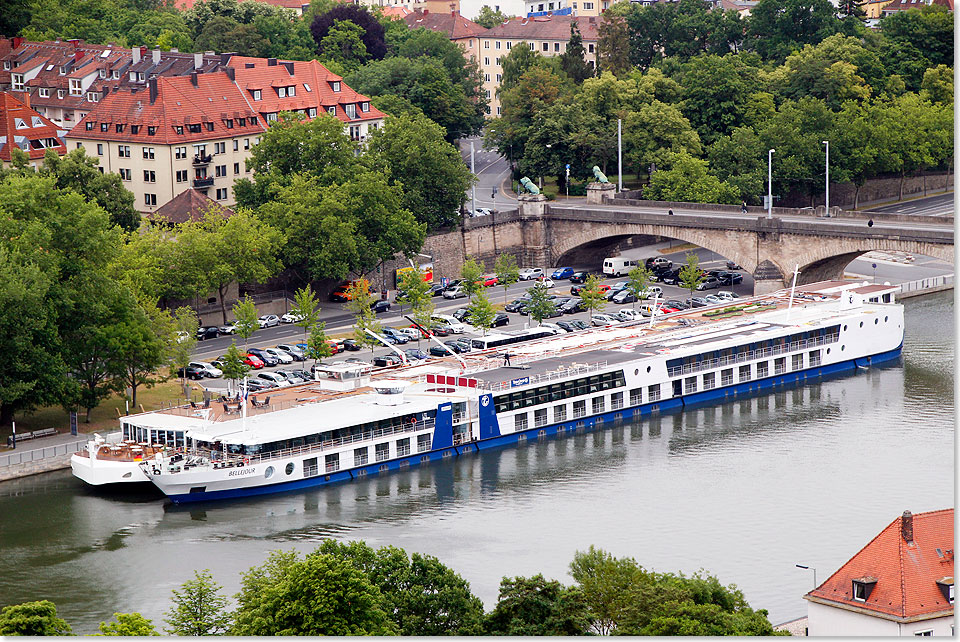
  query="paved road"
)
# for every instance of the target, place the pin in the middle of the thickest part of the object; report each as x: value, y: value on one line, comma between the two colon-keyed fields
x: 939, y: 205
x: 491, y: 170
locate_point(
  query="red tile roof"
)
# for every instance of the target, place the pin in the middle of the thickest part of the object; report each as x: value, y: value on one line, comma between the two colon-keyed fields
x: 212, y: 103
x: 906, y: 571
x: 452, y: 24
x: 545, y: 28
x: 188, y: 205
x: 395, y: 13
x: 267, y: 74
x: 22, y: 127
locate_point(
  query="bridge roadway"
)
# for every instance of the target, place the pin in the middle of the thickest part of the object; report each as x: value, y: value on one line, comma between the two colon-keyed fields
x: 544, y: 233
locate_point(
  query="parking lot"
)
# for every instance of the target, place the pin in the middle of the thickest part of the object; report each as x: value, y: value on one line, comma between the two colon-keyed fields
x: 339, y: 321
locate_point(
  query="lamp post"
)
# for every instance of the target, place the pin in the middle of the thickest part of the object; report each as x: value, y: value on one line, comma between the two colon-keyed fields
x: 770, y: 183
x: 619, y: 155
x: 809, y: 568
x: 827, y: 192
x: 473, y: 189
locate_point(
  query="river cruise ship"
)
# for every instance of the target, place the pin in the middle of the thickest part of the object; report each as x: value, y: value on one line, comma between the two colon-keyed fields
x: 353, y: 422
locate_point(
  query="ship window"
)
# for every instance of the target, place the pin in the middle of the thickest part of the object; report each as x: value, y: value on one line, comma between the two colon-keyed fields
x: 560, y: 413
x: 268, y: 473
x: 289, y: 469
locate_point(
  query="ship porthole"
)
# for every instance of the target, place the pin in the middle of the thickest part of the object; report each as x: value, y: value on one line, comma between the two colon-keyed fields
x: 876, y: 321
x: 844, y: 327
x: 885, y: 319
x: 268, y: 473
x: 842, y: 348
x: 861, y: 324
x: 648, y: 368
x: 828, y: 350
x: 289, y: 469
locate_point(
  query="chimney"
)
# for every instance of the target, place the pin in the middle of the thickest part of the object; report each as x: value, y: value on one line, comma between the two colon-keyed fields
x: 194, y: 80
x: 289, y: 66
x: 426, y: 11
x: 75, y: 42
x: 77, y: 55
x: 231, y: 73
x: 197, y: 60
x: 152, y: 84
x: 174, y: 50
x: 906, y: 526
x: 26, y: 99
x: 271, y: 62
x: 17, y: 41
x: 136, y: 55
x: 156, y: 56
x: 453, y: 10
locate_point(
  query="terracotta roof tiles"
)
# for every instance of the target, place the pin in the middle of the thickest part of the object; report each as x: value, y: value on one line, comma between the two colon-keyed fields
x: 545, y: 28
x: 21, y: 126
x: 452, y: 24
x: 188, y: 205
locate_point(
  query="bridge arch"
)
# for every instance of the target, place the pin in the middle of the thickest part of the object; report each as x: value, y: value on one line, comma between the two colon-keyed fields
x: 821, y: 261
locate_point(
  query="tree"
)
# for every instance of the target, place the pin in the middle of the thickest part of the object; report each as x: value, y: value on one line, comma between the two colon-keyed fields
x: 318, y: 595
x: 343, y: 44
x: 222, y: 33
x: 507, y: 272
x: 606, y: 583
x: 536, y: 606
x: 143, y: 346
x: 470, y: 274
x: 32, y: 619
x: 688, y: 180
x: 778, y: 27
x: 655, y: 133
x: 78, y: 172
x: 198, y: 607
x: 937, y: 85
x: 245, y: 319
x: 411, y: 151
x: 594, y: 299
x: 540, y: 304
x: 929, y: 30
x: 417, y: 294
x: 128, y: 625
x: 318, y: 345
x: 717, y: 92
x: 487, y: 18
x: 183, y: 343
x: 481, y: 312
x: 690, y: 274
x: 613, y: 46
x: 232, y: 364
x: 519, y: 61
x: 372, y: 30
x: 837, y: 69
x: 637, y: 281
x: 359, y: 302
x: 572, y: 60
x: 306, y: 308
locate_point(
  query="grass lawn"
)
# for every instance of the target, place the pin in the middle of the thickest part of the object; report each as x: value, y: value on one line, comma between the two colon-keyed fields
x: 103, y: 418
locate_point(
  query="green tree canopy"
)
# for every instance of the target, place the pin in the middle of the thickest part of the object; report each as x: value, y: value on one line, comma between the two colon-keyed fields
x: 573, y: 60
x: 688, y: 179
x: 488, y: 18
x: 198, y: 608
x: 128, y: 625
x: 778, y: 27
x: 78, y: 172
x: 32, y: 619
x: 537, y: 606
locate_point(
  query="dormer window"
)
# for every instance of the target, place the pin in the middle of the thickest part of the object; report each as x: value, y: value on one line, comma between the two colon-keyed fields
x: 209, y: 126
x: 332, y: 111
x: 89, y: 126
x: 44, y: 92
x: 20, y: 123
x: 59, y: 93
x: 253, y: 120
x: 242, y: 122
x: 151, y: 131
x: 179, y: 130
x: 351, y: 110
x: 93, y: 96
x: 256, y: 94
x: 103, y: 73
x: 863, y: 587
x: 365, y: 106
x: 292, y: 90
x: 6, y: 65
x: 282, y: 92
x: 35, y: 120
x: 119, y: 127
x: 945, y: 584
x: 229, y: 123
x: 104, y: 127
x: 63, y: 70
x: 195, y: 128
x: 134, y: 129
x: 17, y: 80
x: 140, y: 76
x: 116, y: 74
x: 335, y: 85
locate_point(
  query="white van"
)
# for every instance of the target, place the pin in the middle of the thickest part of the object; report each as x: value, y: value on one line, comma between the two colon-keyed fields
x: 618, y: 265
x: 448, y: 322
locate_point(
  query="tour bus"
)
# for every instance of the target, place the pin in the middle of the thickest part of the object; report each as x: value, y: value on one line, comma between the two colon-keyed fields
x: 500, y: 340
x: 618, y: 265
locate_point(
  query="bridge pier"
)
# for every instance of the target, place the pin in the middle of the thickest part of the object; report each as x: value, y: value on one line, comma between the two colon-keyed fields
x: 535, y: 247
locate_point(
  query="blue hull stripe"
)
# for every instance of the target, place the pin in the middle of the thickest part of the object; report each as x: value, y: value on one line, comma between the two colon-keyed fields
x: 666, y: 405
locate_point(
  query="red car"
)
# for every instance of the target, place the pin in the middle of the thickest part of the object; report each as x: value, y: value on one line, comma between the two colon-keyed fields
x: 489, y: 281
x: 668, y: 309
x: 253, y: 361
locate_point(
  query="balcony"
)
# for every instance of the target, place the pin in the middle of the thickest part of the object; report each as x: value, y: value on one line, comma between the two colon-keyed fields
x: 202, y: 159
x: 203, y: 182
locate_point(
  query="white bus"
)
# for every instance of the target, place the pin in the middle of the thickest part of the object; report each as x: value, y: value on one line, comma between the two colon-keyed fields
x: 500, y: 340
x: 618, y: 265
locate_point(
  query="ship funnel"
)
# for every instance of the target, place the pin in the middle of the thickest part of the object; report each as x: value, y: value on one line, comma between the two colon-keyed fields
x: 390, y: 392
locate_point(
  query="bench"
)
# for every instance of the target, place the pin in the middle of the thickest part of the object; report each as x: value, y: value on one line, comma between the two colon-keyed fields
x: 27, y: 436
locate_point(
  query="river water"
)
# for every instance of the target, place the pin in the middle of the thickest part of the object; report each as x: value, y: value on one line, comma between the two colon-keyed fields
x: 745, y: 490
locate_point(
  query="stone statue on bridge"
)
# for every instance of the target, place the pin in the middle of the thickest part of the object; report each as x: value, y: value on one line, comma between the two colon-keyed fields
x: 529, y: 186
x: 601, y: 177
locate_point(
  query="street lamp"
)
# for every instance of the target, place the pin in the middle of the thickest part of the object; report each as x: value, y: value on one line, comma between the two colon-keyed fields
x: 619, y: 155
x: 827, y: 198
x: 810, y: 568
x: 770, y: 183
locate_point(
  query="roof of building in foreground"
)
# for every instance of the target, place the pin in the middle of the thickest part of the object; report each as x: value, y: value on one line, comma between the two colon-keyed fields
x: 905, y: 573
x: 546, y: 28
x: 188, y: 205
x: 25, y: 129
x: 450, y: 23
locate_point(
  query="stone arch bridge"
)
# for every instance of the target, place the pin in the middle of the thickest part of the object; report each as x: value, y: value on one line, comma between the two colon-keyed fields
x: 546, y: 234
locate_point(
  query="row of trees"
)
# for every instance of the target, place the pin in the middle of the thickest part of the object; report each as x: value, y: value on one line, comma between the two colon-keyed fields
x: 698, y: 119
x: 353, y: 589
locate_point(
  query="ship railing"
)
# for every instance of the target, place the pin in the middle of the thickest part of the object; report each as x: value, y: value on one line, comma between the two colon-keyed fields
x: 459, y: 417
x: 551, y: 376
x: 427, y: 424
x: 460, y: 438
x: 710, y: 364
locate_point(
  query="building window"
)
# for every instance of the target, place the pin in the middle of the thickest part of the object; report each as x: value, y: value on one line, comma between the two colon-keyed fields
x: 125, y: 174
x: 496, y: 61
x: 616, y: 401
x: 540, y: 417
x: 424, y: 442
x: 556, y: 46
x: 351, y: 110
x: 653, y: 392
x: 779, y: 365
x: 17, y: 80
x: 499, y: 77
x: 726, y: 377
x: 579, y: 409
x: 220, y: 170
x: 509, y: 44
x: 598, y: 405
x: 744, y: 373
x: 44, y: 92
x: 119, y: 128
x: 256, y: 94
x: 763, y: 369
x: 486, y: 60
x: 180, y: 153
x: 520, y: 422
x: 360, y: 456
x: 221, y: 193
x: 209, y: 126
x: 236, y: 168
x: 99, y: 149
x: 134, y: 129
x: 590, y: 47
x: 148, y: 153
x: 365, y: 107
x: 179, y: 130
x: 382, y: 451
x: 104, y: 127
x: 689, y: 385
x: 709, y: 381
x: 796, y: 362
x: 814, y: 358
x: 59, y: 93
x: 93, y: 97
x: 486, y: 45
x: 219, y: 148
x: 546, y: 46
x: 246, y: 143
x: 6, y: 65
x: 149, y: 176
x: 403, y: 447
x: 150, y: 199
x: 486, y: 77
x: 498, y: 44
x: 124, y: 151
x: 182, y: 176
x: 559, y: 414
x: 236, y: 144
x: 924, y: 633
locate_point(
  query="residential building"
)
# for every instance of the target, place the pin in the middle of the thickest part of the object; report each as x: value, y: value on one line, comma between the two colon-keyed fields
x: 66, y: 79
x: 547, y: 34
x: 906, y: 5
x: 188, y: 205
x: 874, y: 8
x: 900, y: 583
x: 531, y: 8
x: 434, y: 6
x: 297, y: 6
x: 23, y: 128
x: 463, y: 32
x: 197, y: 131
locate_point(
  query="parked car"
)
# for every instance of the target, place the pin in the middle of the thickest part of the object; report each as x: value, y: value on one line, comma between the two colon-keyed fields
x: 230, y: 328
x: 447, y: 321
x: 350, y: 344
x: 385, y: 360
x: 489, y: 280
x: 293, y: 351
x: 603, y: 319
x: 576, y: 289
x: 437, y: 289
x: 730, y: 278
x: 211, y: 332
x: 454, y: 345
x: 192, y: 372
x: 462, y: 315
x: 293, y: 376
x: 453, y: 284
x: 668, y: 309
x: 342, y: 292
x: 726, y: 295
x: 209, y: 370
x: 677, y: 303
x: 579, y: 277
x: 624, y: 296
x: 411, y: 333
x: 379, y: 306
x: 713, y: 299
x: 465, y: 344
x: 282, y: 356
x: 562, y: 273
x: 276, y: 379
x: 291, y: 317
x: 671, y: 278
x: 572, y: 306
x: 415, y: 354
x: 267, y: 358
x: 455, y: 293
x: 528, y: 274
x: 441, y: 331
x: 499, y: 319
x: 437, y: 351
x: 567, y: 325
x: 256, y: 385
x: 699, y: 302
x: 396, y: 335
x: 652, y: 291
x: 648, y: 310
x: 709, y: 283
x: 732, y: 265
x: 268, y: 320
x: 516, y: 304
x: 658, y: 262
x: 629, y: 314
x: 253, y: 361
